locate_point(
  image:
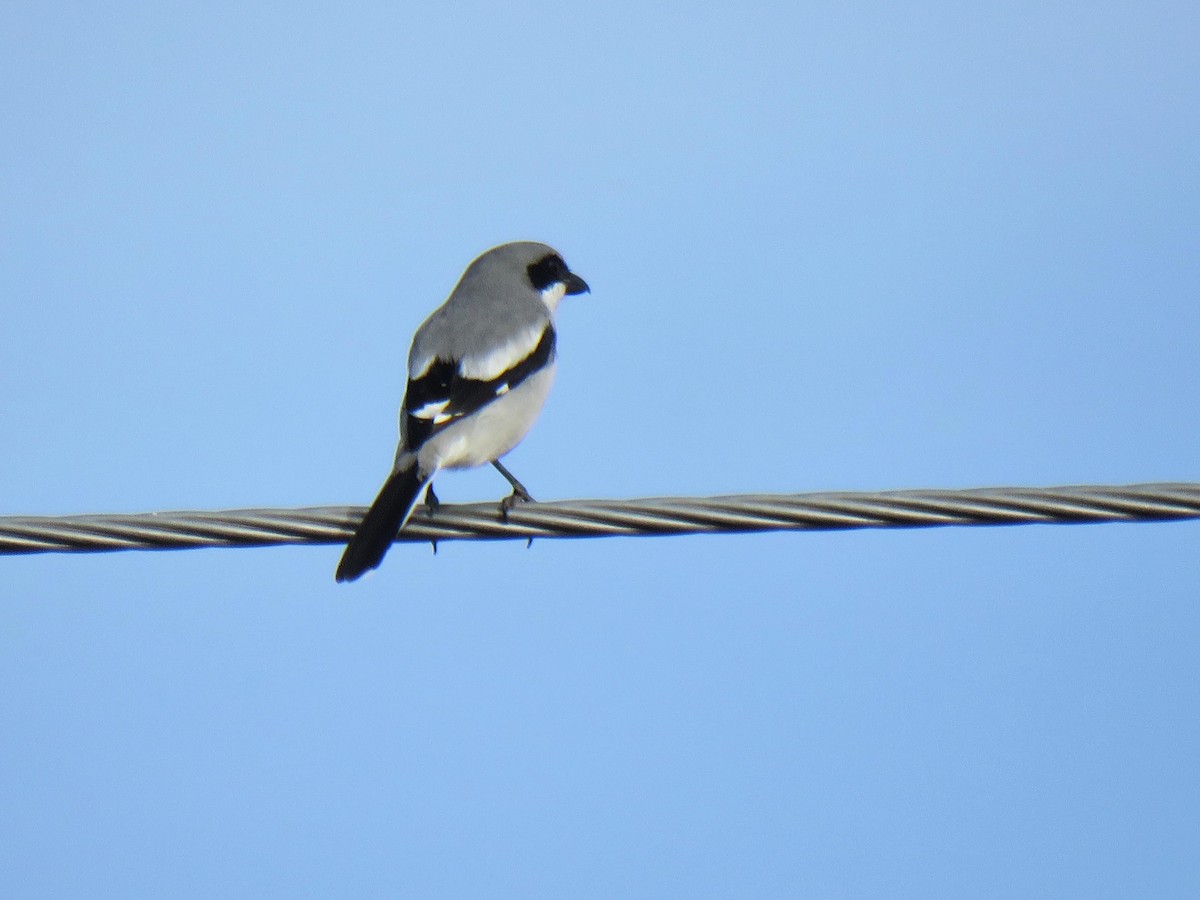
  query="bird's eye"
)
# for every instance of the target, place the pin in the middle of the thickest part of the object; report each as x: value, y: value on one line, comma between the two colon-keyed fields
x: 546, y: 271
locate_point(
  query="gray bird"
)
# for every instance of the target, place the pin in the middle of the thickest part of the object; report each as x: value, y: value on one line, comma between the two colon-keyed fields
x: 479, y: 370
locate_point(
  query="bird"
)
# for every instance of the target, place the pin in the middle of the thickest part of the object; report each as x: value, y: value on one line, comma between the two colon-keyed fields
x: 479, y: 370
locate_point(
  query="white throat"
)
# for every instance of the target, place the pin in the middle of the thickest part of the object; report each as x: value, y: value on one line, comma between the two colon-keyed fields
x: 553, y: 294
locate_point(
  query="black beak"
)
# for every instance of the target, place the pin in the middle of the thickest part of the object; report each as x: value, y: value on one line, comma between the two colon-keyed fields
x: 576, y: 285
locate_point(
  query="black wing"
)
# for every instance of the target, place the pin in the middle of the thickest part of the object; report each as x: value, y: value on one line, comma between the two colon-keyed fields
x: 442, y: 395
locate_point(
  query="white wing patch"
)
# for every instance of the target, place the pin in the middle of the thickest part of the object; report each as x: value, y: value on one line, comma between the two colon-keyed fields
x: 431, y: 411
x: 503, y: 357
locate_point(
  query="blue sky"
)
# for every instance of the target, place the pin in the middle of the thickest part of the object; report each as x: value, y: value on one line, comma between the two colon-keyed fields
x: 831, y: 248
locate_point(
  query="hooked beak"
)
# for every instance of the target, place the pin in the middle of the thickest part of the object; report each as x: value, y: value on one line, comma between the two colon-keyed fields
x: 576, y: 285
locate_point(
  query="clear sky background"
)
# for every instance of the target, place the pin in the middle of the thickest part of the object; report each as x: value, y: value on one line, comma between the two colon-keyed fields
x: 831, y: 247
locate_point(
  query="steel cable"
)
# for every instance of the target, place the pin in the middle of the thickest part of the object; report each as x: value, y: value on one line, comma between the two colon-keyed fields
x: 601, y: 518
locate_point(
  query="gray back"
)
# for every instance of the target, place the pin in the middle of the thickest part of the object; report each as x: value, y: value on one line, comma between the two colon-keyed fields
x: 491, y: 302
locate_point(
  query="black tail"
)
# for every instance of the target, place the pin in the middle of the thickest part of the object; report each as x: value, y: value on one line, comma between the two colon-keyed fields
x: 379, y: 526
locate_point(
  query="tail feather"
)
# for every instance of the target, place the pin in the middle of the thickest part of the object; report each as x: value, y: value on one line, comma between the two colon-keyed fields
x: 379, y: 526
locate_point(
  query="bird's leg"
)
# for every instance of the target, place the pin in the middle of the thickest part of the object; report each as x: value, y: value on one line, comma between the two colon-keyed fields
x: 518, y: 493
x: 431, y: 505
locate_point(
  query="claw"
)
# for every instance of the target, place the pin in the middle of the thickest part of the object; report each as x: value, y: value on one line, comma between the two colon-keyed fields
x: 506, y: 505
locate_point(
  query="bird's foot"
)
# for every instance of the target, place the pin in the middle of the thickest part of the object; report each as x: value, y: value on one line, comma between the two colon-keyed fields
x: 519, y: 495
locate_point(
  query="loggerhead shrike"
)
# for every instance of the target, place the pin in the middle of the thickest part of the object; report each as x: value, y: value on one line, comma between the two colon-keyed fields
x: 479, y: 370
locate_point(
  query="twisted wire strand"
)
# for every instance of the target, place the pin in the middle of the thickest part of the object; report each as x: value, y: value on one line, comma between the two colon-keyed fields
x: 603, y: 518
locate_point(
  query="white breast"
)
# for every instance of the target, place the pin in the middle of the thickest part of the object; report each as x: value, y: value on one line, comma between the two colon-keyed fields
x: 491, y: 432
